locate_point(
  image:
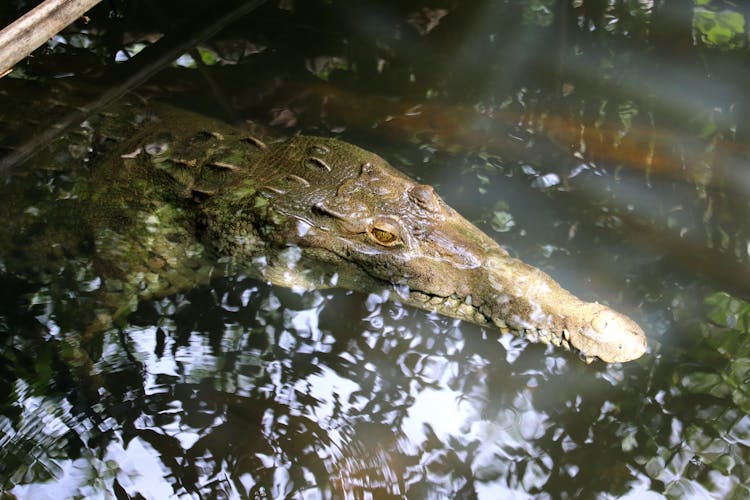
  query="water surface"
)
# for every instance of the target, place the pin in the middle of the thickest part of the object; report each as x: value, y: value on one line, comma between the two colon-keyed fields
x: 605, y: 143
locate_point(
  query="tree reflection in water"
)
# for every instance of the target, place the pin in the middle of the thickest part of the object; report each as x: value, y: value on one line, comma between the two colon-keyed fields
x: 397, y: 401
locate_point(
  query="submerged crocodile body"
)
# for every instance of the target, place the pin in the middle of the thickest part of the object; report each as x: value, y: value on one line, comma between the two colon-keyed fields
x: 164, y: 199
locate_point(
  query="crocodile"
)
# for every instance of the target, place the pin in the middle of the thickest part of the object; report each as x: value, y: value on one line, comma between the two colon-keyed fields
x: 161, y: 199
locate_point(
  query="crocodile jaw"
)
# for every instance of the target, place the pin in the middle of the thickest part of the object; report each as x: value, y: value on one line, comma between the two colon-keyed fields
x: 519, y: 298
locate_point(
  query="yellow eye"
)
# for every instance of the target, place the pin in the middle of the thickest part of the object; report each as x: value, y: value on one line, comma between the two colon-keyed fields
x: 384, y: 237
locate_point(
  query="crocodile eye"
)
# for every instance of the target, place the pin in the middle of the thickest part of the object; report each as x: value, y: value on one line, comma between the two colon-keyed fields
x: 384, y: 237
x: 384, y: 233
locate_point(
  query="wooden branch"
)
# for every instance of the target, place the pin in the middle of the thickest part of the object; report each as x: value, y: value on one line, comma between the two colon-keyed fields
x: 137, y: 70
x: 20, y: 38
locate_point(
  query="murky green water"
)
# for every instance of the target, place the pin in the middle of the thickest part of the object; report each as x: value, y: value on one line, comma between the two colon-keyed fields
x: 605, y: 142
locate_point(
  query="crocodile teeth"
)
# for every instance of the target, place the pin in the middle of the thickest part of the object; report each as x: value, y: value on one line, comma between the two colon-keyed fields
x: 434, y: 300
x: 499, y: 323
x: 482, y: 320
x: 566, y: 334
x: 545, y: 336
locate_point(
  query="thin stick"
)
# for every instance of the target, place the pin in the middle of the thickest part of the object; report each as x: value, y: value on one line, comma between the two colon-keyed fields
x: 136, y: 71
x: 20, y: 38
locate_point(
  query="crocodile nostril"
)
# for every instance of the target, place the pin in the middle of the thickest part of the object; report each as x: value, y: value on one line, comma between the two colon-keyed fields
x: 602, y: 320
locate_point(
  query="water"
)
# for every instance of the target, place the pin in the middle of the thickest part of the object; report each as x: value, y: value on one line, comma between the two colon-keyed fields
x: 605, y: 143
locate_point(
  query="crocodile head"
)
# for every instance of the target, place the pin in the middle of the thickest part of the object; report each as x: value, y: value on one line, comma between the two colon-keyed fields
x: 348, y: 206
